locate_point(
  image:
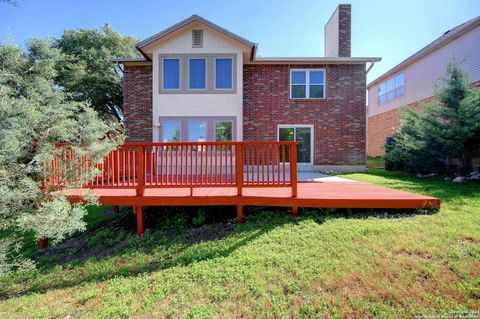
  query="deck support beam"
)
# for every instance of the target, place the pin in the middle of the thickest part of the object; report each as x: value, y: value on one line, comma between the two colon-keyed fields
x: 43, y: 243
x: 239, y: 214
x: 139, y: 213
x: 294, y: 210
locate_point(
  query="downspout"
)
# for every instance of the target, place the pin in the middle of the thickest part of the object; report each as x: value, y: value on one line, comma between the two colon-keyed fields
x: 371, y: 66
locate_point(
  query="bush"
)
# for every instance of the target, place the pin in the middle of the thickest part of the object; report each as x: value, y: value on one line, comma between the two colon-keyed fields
x: 438, y: 134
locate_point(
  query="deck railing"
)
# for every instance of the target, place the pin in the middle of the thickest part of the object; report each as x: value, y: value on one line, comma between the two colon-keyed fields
x: 188, y: 165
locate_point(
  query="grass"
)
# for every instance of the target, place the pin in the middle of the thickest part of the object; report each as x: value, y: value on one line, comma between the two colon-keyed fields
x: 321, y: 264
x: 375, y: 162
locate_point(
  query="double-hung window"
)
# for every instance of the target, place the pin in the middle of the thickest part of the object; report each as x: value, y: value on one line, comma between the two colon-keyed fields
x: 223, y: 73
x: 391, y: 89
x: 171, y: 74
x: 307, y: 84
x: 198, y: 74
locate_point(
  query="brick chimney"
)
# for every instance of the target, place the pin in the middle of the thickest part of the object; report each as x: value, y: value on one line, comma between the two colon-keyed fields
x: 338, y: 32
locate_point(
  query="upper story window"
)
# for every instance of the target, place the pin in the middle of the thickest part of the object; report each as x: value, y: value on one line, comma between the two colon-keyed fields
x: 171, y: 74
x: 198, y: 74
x: 391, y: 89
x: 307, y: 84
x: 223, y: 74
x: 197, y: 38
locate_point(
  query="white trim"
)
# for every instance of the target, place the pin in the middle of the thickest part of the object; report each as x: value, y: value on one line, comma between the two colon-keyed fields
x: 179, y: 73
x: 206, y: 70
x: 307, y: 84
x: 312, y: 139
x: 215, y: 73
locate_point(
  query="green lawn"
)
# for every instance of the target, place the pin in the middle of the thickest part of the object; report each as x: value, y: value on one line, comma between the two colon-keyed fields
x: 321, y: 264
x: 375, y: 162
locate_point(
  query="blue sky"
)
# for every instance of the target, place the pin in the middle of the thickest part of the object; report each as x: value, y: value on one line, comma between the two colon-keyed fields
x: 392, y: 30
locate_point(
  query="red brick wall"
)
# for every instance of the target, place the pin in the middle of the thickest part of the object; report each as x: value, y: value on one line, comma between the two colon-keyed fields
x: 137, y: 103
x: 339, y: 120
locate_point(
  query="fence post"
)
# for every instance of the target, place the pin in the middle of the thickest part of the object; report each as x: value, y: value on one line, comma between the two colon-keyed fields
x: 239, y: 167
x: 293, y: 168
x: 140, y: 171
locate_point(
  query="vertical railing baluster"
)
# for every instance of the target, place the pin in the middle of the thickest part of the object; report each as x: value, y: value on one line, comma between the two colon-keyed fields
x: 293, y: 168
x: 239, y: 167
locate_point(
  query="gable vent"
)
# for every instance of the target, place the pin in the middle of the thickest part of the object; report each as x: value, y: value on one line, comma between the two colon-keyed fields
x: 197, y: 38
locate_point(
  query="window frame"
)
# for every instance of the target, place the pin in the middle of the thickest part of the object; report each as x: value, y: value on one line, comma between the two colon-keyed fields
x: 215, y: 73
x: 179, y: 73
x: 312, y: 139
x: 307, y: 84
x: 206, y: 75
x: 394, y: 90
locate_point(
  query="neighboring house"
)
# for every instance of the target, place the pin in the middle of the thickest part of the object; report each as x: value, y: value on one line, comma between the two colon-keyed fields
x: 412, y: 82
x: 200, y: 82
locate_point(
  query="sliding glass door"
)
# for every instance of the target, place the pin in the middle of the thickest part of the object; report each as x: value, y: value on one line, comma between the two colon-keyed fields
x: 303, y: 135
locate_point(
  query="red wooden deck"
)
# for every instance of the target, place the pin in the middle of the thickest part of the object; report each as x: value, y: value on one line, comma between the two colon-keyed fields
x: 214, y: 174
x: 309, y: 194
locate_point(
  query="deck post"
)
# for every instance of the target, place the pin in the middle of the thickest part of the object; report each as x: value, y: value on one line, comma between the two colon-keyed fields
x: 294, y: 210
x: 239, y: 214
x: 43, y: 243
x: 239, y: 167
x: 116, y: 209
x: 293, y: 168
x: 140, y: 227
x: 140, y: 171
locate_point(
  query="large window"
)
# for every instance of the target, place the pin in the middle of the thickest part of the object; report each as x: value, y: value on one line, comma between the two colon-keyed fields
x: 170, y: 131
x: 171, y: 74
x: 307, y: 84
x: 223, y: 73
x: 197, y: 131
x: 391, y: 89
x: 198, y: 74
x: 223, y: 131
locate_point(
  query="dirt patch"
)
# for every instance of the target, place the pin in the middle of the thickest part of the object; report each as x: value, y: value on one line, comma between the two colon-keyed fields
x: 113, y: 237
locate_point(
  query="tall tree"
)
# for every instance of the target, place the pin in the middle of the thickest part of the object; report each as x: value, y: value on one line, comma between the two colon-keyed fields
x: 86, y: 70
x: 440, y: 132
x: 34, y: 115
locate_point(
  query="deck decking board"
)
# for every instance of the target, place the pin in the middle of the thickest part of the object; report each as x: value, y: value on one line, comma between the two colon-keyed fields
x: 310, y: 194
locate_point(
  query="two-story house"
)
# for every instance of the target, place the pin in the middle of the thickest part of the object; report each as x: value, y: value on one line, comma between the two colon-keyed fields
x: 200, y: 82
x: 412, y: 82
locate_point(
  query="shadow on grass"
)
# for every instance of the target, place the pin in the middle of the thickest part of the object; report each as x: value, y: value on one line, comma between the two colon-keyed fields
x: 164, y: 248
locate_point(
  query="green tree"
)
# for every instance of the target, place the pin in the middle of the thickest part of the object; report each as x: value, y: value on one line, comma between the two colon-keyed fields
x: 432, y: 137
x: 34, y: 115
x: 86, y: 70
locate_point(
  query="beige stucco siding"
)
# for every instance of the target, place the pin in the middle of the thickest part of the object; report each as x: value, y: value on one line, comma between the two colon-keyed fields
x: 421, y: 76
x: 206, y: 104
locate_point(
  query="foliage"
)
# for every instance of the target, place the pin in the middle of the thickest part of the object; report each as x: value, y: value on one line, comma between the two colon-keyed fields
x: 200, y: 219
x: 86, y: 70
x: 431, y: 138
x: 34, y: 115
x: 320, y: 264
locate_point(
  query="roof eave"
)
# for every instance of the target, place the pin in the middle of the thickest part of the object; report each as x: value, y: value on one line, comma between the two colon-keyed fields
x: 140, y: 45
x: 424, y: 52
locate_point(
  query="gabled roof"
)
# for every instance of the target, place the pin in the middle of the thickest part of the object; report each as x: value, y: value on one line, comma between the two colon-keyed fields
x: 446, y: 38
x: 192, y: 19
x: 249, y: 48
